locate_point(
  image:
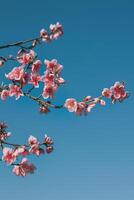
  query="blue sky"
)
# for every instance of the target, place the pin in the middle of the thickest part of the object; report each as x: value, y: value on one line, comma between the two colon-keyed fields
x: 94, y: 155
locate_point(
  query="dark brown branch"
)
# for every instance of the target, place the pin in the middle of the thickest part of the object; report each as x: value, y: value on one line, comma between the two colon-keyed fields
x: 20, y: 43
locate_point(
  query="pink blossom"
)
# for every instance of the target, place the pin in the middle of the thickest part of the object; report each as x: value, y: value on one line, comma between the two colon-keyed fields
x: 107, y: 93
x: 71, y: 105
x: 27, y: 57
x: 1, y: 63
x: 48, y: 78
x: 60, y: 81
x: 8, y: 155
x: 49, y: 91
x: 80, y: 108
x: 49, y: 149
x: 44, y: 109
x: 90, y: 106
x: 33, y: 141
x: 35, y: 149
x: 53, y: 66
x: 86, y: 99
x: 116, y: 92
x: 16, y: 74
x: 4, y: 94
x: 119, y: 92
x: 35, y: 146
x: 102, y: 102
x: 24, y: 168
x: 36, y: 66
x: 35, y: 79
x: 48, y: 140
x: 15, y: 91
x: 21, y: 150
x: 56, y: 30
x: 4, y: 135
x: 44, y: 35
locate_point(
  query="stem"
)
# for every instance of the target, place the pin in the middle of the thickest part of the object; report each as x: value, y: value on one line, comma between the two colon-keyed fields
x: 41, y: 102
x: 19, y: 43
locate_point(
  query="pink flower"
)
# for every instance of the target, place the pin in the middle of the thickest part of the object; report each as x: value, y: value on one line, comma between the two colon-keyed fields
x: 86, y: 99
x: 56, y: 30
x: 71, y: 105
x: 35, y: 146
x: 8, y: 155
x: 4, y: 135
x: 119, y: 92
x: 116, y: 92
x: 27, y: 58
x: 33, y: 141
x: 4, y: 94
x: 15, y: 91
x: 1, y: 63
x: 107, y: 93
x: 80, y: 108
x: 44, y: 35
x: 36, y: 66
x: 102, y: 102
x: 48, y: 140
x: 21, y: 150
x: 35, y: 79
x: 49, y: 149
x: 90, y: 106
x: 49, y: 91
x: 16, y: 74
x: 35, y: 149
x: 44, y: 110
x: 53, y: 66
x: 60, y: 81
x: 24, y: 168
x: 48, y: 78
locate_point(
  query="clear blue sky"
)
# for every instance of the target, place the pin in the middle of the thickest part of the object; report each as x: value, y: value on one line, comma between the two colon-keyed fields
x: 94, y: 155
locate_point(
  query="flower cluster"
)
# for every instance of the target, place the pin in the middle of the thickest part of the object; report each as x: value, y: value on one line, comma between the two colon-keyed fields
x: 12, y: 154
x: 84, y: 106
x: 117, y: 92
x: 21, y: 76
x: 51, y: 78
x: 56, y: 30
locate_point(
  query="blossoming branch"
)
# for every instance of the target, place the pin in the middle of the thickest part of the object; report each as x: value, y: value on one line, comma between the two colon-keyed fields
x: 25, y: 77
x: 15, y: 154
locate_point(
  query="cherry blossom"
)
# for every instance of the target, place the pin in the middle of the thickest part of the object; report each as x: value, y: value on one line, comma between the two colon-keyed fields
x: 16, y: 74
x: 21, y: 150
x: 71, y: 105
x: 4, y: 135
x: 36, y: 66
x: 116, y: 92
x: 57, y: 31
x: 1, y: 63
x: 27, y: 57
x: 16, y: 91
x: 48, y: 140
x: 53, y: 66
x: 49, y: 91
x: 44, y: 109
x: 24, y: 168
x: 49, y: 149
x: 107, y: 93
x: 4, y: 94
x: 44, y: 35
x: 8, y: 155
x: 35, y: 79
